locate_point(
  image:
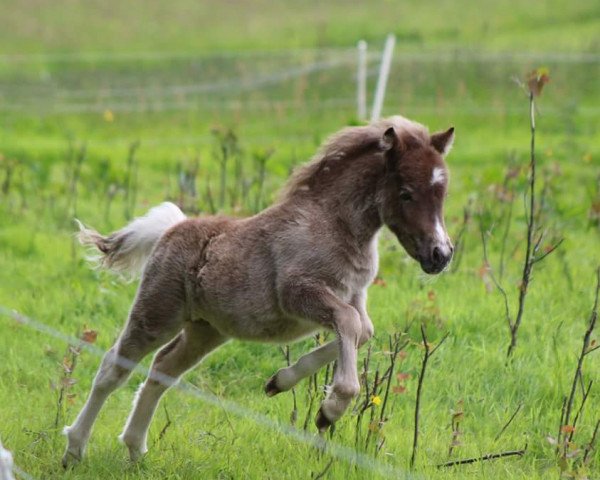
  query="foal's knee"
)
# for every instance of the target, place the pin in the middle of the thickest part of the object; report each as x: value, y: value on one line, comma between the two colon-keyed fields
x: 348, y: 324
x: 346, y: 391
x: 110, y: 374
x: 366, y: 334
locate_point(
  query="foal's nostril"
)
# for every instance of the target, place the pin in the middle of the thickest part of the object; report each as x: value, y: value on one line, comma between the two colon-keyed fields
x: 437, y: 256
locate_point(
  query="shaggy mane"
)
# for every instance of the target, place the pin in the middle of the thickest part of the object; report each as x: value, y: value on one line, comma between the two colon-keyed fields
x: 347, y: 144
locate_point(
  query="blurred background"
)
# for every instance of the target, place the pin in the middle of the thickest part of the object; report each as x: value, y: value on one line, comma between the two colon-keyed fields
x: 282, y: 75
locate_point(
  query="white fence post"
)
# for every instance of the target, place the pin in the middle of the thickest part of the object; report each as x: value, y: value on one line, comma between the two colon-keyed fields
x: 361, y: 81
x: 6, y: 464
x: 384, y: 72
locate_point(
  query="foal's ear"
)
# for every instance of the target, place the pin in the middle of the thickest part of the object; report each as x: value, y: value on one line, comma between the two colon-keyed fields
x: 442, y: 141
x: 388, y: 143
x: 389, y: 139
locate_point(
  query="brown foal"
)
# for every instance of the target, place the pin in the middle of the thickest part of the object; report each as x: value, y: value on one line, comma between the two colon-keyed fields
x: 301, y: 265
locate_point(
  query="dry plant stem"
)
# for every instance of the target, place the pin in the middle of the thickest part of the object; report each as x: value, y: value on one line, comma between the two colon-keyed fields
x: 324, y: 471
x: 361, y: 407
x: 456, y: 433
x: 561, y: 423
x: 581, y: 405
x: 131, y: 181
x: 294, y: 414
x: 531, y: 248
x: 428, y: 353
x: 504, y: 239
x: 210, y: 198
x: 74, y: 179
x: 73, y: 354
x: 494, y: 279
x: 490, y: 456
x: 459, y: 243
x: 312, y: 393
x: 507, y: 424
x: 528, y: 264
x: 167, y: 425
x: 590, y: 446
x: 223, y: 175
x: 374, y: 391
x: 585, y: 350
x: 395, y: 348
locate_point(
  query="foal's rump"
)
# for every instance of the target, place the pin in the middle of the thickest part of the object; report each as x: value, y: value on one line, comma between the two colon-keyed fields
x: 128, y: 249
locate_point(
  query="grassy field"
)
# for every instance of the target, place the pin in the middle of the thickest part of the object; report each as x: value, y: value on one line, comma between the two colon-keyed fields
x: 108, y: 108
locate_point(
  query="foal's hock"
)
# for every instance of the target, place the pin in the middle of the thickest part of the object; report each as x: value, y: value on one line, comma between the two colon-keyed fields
x: 301, y: 265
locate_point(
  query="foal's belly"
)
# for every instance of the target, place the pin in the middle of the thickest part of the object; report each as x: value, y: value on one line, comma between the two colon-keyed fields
x: 264, y: 328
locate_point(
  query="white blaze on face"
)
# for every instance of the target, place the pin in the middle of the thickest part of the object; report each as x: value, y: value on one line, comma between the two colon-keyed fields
x: 441, y: 238
x: 437, y: 175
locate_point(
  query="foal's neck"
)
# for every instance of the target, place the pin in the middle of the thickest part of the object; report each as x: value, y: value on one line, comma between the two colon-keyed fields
x: 352, y: 201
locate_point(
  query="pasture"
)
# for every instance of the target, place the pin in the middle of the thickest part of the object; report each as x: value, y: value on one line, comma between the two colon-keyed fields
x: 107, y: 109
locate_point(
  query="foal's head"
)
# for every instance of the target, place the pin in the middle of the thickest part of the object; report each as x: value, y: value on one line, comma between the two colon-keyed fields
x: 413, y: 191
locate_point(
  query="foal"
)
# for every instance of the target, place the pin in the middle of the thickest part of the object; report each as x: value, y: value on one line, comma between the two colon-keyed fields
x: 302, y: 265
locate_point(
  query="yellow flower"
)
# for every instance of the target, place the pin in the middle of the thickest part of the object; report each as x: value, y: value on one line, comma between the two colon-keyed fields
x: 375, y: 399
x: 109, y: 116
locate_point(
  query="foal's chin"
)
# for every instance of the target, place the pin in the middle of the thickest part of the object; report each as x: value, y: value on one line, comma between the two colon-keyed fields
x: 430, y: 269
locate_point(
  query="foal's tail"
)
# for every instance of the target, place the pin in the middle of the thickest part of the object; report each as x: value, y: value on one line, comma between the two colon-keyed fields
x: 128, y: 249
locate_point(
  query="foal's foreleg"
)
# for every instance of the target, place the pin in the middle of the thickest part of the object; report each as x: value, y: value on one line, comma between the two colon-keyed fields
x: 195, y: 341
x: 319, y: 304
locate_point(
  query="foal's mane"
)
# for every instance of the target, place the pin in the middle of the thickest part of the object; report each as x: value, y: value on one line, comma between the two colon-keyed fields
x: 349, y: 143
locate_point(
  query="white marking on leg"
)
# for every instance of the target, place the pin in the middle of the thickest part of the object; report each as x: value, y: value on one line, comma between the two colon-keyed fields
x: 135, y: 433
x: 108, y: 378
x: 438, y: 175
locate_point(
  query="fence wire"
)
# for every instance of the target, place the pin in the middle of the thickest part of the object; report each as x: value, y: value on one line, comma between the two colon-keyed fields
x: 172, y: 81
x: 418, y: 56
x: 336, y: 450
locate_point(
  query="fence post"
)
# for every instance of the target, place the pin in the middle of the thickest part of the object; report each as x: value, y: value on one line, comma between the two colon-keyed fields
x: 384, y: 71
x: 361, y: 81
x: 6, y: 464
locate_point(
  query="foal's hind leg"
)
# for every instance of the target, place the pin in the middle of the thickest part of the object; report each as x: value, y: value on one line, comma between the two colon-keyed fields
x: 196, y: 340
x: 150, y: 325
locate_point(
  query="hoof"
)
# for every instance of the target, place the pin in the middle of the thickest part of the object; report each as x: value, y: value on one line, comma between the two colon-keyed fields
x: 70, y: 459
x: 322, y: 422
x: 271, y: 388
x: 136, y: 454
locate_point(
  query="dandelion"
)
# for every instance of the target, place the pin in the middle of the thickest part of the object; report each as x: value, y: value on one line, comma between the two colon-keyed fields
x: 109, y: 116
x: 376, y: 400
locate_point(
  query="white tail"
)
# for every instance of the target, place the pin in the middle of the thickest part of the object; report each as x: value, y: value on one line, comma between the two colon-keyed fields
x: 128, y: 249
x: 6, y: 464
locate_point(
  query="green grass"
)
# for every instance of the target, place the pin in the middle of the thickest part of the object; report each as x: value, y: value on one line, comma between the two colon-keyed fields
x: 52, y: 99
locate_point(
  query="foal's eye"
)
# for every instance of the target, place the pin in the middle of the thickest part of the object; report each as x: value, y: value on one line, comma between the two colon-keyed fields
x: 405, y: 196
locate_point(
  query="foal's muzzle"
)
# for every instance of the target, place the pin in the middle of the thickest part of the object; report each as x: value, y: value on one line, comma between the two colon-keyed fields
x: 437, y: 258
